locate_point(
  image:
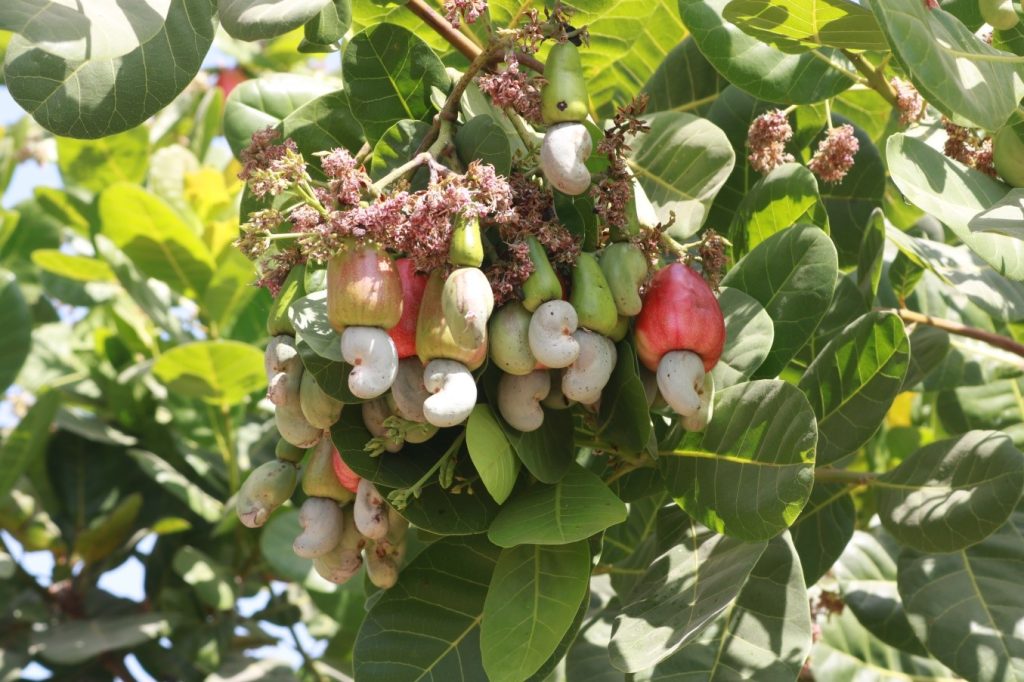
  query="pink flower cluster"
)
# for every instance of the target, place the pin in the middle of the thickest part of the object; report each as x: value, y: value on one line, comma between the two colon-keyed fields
x: 969, y: 148
x: 470, y: 10
x: 513, y: 89
x: 270, y: 169
x: 834, y: 156
x: 766, y: 140
x: 908, y: 100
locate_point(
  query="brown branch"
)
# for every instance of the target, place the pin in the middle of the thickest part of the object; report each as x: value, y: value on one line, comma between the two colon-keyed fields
x: 432, y: 18
x: 876, y: 77
x: 991, y: 338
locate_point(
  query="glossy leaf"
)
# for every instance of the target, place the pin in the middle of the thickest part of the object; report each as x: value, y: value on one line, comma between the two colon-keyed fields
x: 217, y: 372
x: 684, y: 81
x: 491, y: 453
x: 16, y: 320
x: 786, y: 196
x: 823, y: 529
x: 396, y: 147
x: 204, y: 505
x: 799, y: 25
x: 748, y: 337
x: 623, y: 419
x: 76, y: 641
x: 96, y: 164
x: 264, y: 102
x: 25, y: 446
x: 309, y: 317
x: 484, y: 139
x: 322, y: 124
x: 258, y: 19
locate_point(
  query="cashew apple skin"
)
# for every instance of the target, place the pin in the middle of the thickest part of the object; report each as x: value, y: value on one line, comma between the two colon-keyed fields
x: 625, y: 269
x: 587, y: 376
x: 370, y: 511
x: 509, y: 339
x: 319, y: 409
x: 467, y: 302
x: 287, y: 452
x: 321, y: 521
x: 467, y: 248
x: 348, y: 479
x: 293, y: 289
x: 699, y: 421
x: 1008, y: 151
x: 592, y: 297
x: 681, y: 381
x: 291, y: 423
x: 374, y: 360
x: 319, y: 479
x: 413, y: 284
x: 344, y: 561
x: 550, y: 334
x: 620, y: 330
x: 374, y: 413
x: 542, y: 284
x: 564, y: 94
x: 519, y: 399
x: 363, y: 288
x: 680, y: 313
x: 563, y: 157
x: 454, y: 392
x: 999, y: 14
x: 433, y: 334
x: 267, y: 488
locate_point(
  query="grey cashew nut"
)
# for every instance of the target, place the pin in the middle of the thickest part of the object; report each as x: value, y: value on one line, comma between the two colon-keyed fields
x: 519, y: 399
x: 280, y: 351
x: 370, y: 511
x: 319, y: 409
x: 680, y: 379
x: 284, y: 392
x: 321, y: 520
x: 267, y: 488
x: 344, y: 561
x: 551, y: 334
x: 374, y: 360
x: 408, y: 391
x: 454, y: 392
x: 699, y: 421
x: 563, y: 157
x: 384, y: 556
x: 374, y: 413
x: 587, y: 376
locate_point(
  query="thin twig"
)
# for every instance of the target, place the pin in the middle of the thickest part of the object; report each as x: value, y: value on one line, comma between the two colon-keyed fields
x: 307, y: 661
x: 991, y: 338
x: 421, y: 159
x: 432, y: 18
x: 876, y: 77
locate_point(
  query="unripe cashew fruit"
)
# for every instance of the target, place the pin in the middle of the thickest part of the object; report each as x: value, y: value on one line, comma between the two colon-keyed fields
x: 509, y: 342
x: 348, y: 479
x: 374, y: 360
x: 680, y: 381
x: 454, y: 392
x: 280, y: 351
x: 1008, y: 151
x: 467, y: 248
x: 433, y: 334
x: 363, y: 288
x: 999, y: 14
x: 550, y: 335
x: 284, y: 393
x: 287, y: 452
x: 319, y: 409
x: 699, y: 421
x: 293, y: 289
x: 519, y: 399
x: 408, y: 391
x: 592, y: 297
x: 680, y: 313
x: 374, y: 413
x: 542, y: 284
x: 620, y: 330
x: 381, y: 569
x: 555, y: 399
x: 625, y: 269
x: 413, y: 284
x: 467, y: 302
x: 321, y: 522
x: 341, y: 563
x: 563, y: 157
x: 564, y: 94
x: 370, y: 511
x: 585, y: 378
x: 319, y: 478
x: 266, y: 489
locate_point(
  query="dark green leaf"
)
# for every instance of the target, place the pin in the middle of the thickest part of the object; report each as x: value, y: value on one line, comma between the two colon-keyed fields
x: 16, y: 321
x: 823, y: 528
x: 258, y: 19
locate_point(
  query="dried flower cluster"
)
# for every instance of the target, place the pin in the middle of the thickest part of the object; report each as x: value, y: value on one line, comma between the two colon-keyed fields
x: 514, y: 89
x: 268, y: 168
x: 969, y: 148
x: 614, y: 189
x: 766, y: 140
x: 908, y: 101
x: 713, y: 258
x: 470, y: 10
x: 834, y: 156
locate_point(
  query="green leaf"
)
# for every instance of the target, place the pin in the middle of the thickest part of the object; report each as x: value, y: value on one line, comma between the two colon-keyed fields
x: 397, y: 146
x: 78, y: 641
x: 750, y: 472
x: 276, y: 546
x: 749, y: 332
x: 26, y: 444
x: 331, y: 24
x: 866, y: 573
x: 389, y: 74
x: 947, y: 63
x: 1006, y: 216
x: 786, y: 196
x: 491, y: 453
x: 16, y: 320
x: 623, y: 418
x: 681, y: 164
x: 93, y: 72
x: 96, y: 164
x: 953, y: 194
x: 684, y: 81
x: 204, y: 505
x: 685, y: 589
x: 323, y: 124
x: 852, y: 382
x: 547, y: 452
x: 928, y: 348
x: 259, y: 19
x: 309, y: 317
x: 217, y: 372
x: 965, y: 606
x: 229, y: 290
x: 760, y: 69
x: 952, y: 493
x: 872, y: 250
x: 800, y: 25
x: 331, y: 376
x: 533, y: 598
x: 77, y: 268
x: 438, y: 511
x: 765, y: 632
x: 105, y: 534
x: 155, y: 238
x: 212, y: 581
x: 427, y: 627
x: 632, y: 544
x: 995, y: 405
x: 260, y: 103
x: 483, y: 138
x: 903, y: 275
x: 793, y: 275
x: 823, y: 529
x: 573, y: 509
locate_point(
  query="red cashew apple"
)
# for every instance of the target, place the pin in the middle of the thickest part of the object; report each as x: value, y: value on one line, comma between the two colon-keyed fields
x: 348, y: 478
x: 413, y: 285
x: 680, y: 333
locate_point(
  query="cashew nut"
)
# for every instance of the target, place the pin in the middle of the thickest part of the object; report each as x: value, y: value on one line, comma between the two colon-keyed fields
x: 555, y: 399
x: 384, y: 556
x: 551, y: 329
x: 509, y: 331
x: 280, y: 351
x: 467, y: 302
x: 319, y: 409
x: 563, y: 157
x: 454, y: 392
x: 341, y: 563
x: 370, y: 511
x: 587, y: 376
x: 408, y: 390
x: 699, y: 421
x: 680, y: 378
x: 374, y: 413
x: 374, y: 360
x: 284, y: 393
x: 266, y: 489
x: 519, y: 399
x: 321, y: 522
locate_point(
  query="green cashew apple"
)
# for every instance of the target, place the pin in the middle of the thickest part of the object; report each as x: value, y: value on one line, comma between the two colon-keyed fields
x: 467, y: 247
x: 564, y: 96
x: 592, y: 297
x: 542, y: 285
x: 625, y: 269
